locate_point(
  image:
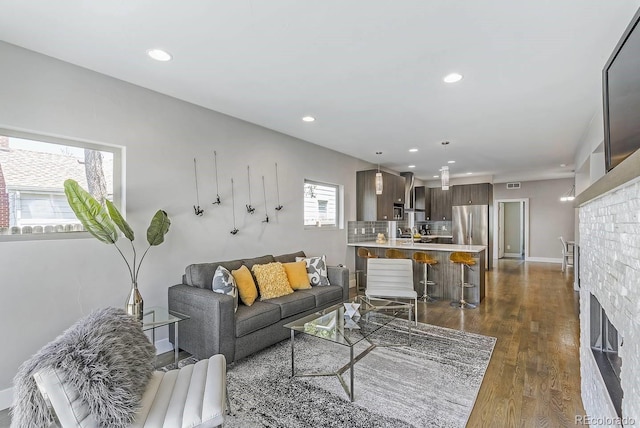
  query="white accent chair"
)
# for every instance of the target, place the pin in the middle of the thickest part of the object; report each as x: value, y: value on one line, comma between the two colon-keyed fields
x: 391, y: 279
x: 193, y: 396
x: 567, y: 254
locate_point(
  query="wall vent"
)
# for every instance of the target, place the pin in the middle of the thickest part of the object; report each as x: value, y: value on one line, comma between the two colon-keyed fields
x: 513, y: 185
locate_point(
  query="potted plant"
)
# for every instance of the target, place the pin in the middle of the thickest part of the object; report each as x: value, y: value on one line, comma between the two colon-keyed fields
x: 101, y: 222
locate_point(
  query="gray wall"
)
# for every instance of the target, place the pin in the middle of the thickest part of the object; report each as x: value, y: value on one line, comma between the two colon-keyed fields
x: 512, y: 229
x: 548, y: 217
x: 47, y: 285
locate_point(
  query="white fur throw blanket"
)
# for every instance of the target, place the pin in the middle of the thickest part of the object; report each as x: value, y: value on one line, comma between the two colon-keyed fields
x: 105, y: 355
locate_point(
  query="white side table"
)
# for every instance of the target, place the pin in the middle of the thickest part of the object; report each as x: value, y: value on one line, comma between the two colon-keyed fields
x: 155, y: 317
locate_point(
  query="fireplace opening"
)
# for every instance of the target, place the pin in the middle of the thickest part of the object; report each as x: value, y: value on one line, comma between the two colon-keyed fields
x: 605, y: 341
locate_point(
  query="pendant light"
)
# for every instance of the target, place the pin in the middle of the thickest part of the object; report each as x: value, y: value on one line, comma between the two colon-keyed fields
x: 379, y: 183
x: 444, y: 172
x: 444, y: 177
x: 570, y: 195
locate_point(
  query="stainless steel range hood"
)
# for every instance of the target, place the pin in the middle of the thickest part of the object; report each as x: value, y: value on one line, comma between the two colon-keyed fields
x: 409, y: 194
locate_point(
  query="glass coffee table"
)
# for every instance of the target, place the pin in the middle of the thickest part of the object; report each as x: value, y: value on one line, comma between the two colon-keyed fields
x: 157, y: 317
x: 331, y: 324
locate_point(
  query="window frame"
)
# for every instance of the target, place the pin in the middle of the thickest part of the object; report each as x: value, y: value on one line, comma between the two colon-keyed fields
x: 118, y: 153
x: 339, y: 202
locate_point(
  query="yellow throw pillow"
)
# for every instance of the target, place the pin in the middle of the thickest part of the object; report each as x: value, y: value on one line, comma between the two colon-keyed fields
x: 272, y: 280
x: 246, y: 286
x: 297, y: 275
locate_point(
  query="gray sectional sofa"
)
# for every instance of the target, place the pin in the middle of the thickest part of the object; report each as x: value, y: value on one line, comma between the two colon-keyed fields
x: 214, y: 328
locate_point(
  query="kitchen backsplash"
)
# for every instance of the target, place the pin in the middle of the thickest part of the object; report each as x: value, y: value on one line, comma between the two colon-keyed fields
x: 361, y: 231
x: 436, y: 227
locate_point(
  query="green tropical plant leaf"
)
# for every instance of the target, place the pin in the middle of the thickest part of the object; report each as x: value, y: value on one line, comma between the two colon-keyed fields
x: 119, y: 220
x: 158, y: 228
x: 91, y: 214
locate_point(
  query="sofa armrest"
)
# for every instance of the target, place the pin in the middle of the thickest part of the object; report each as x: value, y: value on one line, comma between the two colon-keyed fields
x: 211, y: 328
x: 339, y: 275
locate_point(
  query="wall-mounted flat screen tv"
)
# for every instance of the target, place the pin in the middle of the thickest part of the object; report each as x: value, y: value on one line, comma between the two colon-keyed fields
x: 621, y: 91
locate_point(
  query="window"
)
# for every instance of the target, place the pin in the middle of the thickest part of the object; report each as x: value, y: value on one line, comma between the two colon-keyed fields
x: 322, y: 205
x: 32, y: 174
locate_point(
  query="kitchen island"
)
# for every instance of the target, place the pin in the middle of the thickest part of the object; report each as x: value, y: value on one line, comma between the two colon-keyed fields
x: 445, y: 274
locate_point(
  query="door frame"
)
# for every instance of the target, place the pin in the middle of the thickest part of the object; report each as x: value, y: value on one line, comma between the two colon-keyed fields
x: 500, y: 231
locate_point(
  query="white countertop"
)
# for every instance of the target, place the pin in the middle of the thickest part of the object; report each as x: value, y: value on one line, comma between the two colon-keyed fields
x: 409, y: 245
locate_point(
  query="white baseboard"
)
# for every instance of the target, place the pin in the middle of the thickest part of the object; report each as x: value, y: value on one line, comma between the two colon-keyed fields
x: 163, y: 346
x: 544, y: 260
x: 512, y: 255
x: 6, y: 398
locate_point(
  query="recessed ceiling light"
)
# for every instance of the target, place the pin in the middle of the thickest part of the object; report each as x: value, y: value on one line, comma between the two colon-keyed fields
x: 412, y: 166
x: 451, y: 162
x: 159, y: 55
x: 308, y: 118
x: 452, y: 78
x: 413, y: 150
x: 436, y: 176
x: 563, y: 165
x: 469, y: 173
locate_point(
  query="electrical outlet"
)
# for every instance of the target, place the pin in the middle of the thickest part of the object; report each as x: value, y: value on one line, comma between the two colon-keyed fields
x: 508, y: 247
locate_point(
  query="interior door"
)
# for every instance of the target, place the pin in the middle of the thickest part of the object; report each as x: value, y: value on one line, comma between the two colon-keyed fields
x: 500, y: 230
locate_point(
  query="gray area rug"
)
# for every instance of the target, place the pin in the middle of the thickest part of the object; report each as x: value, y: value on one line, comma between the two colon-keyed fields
x: 432, y: 383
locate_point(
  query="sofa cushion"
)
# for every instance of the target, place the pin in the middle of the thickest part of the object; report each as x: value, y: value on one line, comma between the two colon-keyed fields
x: 201, y: 274
x: 295, y: 303
x: 224, y: 283
x: 254, y: 317
x: 246, y: 287
x: 297, y: 275
x: 272, y: 280
x: 324, y: 295
x: 288, y: 258
x: 316, y: 269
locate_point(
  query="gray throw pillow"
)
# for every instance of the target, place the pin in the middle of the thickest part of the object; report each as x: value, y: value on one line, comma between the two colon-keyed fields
x: 316, y: 269
x: 224, y: 283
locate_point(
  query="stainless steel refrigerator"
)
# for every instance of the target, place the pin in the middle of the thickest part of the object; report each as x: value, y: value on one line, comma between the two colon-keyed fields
x: 471, y: 226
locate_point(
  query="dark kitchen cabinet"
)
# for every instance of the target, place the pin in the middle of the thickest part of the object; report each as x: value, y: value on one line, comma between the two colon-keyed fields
x: 372, y: 207
x: 472, y: 194
x: 423, y: 203
x: 440, y: 204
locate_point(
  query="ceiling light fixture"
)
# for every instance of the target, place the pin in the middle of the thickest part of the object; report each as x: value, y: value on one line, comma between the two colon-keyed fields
x: 570, y: 195
x: 159, y: 55
x: 444, y: 177
x: 411, y: 166
x: 451, y: 162
x: 436, y: 176
x: 413, y: 150
x: 444, y: 171
x: 469, y: 173
x: 379, y: 183
x: 452, y: 78
x: 309, y: 119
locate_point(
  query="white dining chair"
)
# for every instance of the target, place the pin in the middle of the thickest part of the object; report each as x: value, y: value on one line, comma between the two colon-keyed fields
x: 391, y: 279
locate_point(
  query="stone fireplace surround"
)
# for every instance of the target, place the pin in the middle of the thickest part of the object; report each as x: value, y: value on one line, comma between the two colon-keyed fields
x: 609, y: 239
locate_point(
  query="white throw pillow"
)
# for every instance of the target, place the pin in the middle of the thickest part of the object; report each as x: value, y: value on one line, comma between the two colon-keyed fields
x: 224, y: 283
x: 316, y: 269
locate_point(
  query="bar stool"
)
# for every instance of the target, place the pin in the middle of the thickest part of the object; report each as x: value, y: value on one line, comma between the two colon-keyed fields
x: 393, y: 253
x: 427, y: 261
x: 464, y: 260
x: 364, y: 253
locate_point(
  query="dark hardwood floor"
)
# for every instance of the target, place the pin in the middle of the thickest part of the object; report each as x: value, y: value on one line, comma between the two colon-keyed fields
x: 533, y: 379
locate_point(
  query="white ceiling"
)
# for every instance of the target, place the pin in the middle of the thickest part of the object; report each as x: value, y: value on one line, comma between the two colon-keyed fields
x: 369, y: 71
